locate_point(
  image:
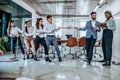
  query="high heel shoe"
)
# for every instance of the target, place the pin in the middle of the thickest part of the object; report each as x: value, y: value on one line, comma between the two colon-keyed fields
x: 28, y: 57
x: 35, y: 58
x: 47, y: 59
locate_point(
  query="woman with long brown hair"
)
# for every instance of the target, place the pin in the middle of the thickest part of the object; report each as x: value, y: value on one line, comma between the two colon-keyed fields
x: 40, y: 37
x: 29, y: 40
x: 13, y: 32
x: 108, y: 28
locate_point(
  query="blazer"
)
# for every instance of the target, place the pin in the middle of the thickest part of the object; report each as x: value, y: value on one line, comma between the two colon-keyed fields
x: 90, y: 31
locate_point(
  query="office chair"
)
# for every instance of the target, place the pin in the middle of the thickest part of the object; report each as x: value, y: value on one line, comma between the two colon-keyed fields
x: 82, y: 43
x: 71, y: 42
x: 95, y: 53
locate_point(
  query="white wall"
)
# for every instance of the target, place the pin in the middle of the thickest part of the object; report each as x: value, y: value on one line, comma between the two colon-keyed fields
x: 114, y: 6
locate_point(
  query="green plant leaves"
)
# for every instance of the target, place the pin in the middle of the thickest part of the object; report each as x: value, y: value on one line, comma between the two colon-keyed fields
x: 4, y: 43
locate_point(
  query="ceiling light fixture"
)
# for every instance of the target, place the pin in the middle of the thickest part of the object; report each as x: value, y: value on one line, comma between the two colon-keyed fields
x: 100, y: 4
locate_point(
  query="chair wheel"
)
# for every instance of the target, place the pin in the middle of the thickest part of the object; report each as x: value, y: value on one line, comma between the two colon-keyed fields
x: 65, y: 56
x: 40, y: 56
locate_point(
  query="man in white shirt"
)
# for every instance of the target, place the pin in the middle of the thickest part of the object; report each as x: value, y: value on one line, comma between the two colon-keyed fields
x: 50, y: 29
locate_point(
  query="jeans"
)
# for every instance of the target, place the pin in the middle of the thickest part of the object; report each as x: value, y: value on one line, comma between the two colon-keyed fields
x: 52, y: 39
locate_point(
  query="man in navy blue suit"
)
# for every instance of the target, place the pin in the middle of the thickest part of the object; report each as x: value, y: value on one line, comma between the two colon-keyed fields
x: 92, y: 28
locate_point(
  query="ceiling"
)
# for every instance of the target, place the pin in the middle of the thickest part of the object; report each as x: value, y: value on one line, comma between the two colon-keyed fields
x: 63, y: 8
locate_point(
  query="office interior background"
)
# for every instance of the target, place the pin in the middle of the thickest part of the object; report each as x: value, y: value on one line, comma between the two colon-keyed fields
x: 66, y: 14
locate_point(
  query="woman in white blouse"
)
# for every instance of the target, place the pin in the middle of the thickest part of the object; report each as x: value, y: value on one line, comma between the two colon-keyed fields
x: 29, y: 40
x: 13, y: 32
x: 40, y: 38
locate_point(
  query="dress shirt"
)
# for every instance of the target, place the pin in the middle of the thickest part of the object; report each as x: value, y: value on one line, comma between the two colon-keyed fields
x: 93, y: 23
x: 48, y: 28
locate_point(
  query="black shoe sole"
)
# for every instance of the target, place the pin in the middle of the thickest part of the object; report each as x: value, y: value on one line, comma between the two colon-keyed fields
x: 106, y: 65
x: 48, y: 60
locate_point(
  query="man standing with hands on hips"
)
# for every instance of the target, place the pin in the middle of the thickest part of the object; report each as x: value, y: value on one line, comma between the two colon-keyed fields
x: 92, y: 27
x: 50, y: 29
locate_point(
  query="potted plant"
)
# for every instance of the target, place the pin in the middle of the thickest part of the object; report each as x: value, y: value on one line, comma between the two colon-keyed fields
x: 4, y: 43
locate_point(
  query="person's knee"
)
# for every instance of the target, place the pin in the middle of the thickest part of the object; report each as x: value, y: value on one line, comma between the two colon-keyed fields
x: 28, y: 48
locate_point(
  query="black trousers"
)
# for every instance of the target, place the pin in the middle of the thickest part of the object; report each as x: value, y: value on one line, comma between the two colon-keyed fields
x: 41, y: 41
x: 90, y: 42
x: 107, y: 40
x: 14, y: 41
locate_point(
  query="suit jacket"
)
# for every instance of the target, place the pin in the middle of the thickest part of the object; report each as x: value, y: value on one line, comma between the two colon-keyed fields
x: 90, y: 30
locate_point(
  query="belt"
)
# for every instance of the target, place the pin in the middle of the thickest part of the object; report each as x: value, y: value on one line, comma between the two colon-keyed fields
x: 51, y: 35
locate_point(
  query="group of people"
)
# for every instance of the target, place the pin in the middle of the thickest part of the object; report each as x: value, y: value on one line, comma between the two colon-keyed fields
x: 93, y: 26
x: 40, y: 30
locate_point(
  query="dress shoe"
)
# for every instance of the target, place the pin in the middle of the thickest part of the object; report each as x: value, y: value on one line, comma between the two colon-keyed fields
x: 107, y: 64
x: 88, y: 62
x: 35, y: 58
x: 32, y: 56
x: 102, y: 60
x: 60, y: 60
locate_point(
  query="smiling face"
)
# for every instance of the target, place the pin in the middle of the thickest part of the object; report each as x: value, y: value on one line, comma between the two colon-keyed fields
x: 107, y: 16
